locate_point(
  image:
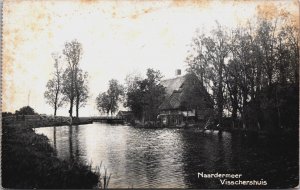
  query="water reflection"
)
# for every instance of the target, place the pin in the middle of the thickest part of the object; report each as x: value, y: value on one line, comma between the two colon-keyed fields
x: 54, y: 138
x: 149, y: 155
x: 171, y: 158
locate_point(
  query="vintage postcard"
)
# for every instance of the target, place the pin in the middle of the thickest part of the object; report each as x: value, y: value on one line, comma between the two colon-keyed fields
x: 188, y: 94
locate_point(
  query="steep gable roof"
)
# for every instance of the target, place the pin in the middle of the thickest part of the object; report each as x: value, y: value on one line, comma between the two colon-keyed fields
x: 172, y: 84
x: 184, y: 91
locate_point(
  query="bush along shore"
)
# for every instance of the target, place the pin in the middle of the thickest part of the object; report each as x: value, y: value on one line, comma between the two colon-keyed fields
x: 29, y: 161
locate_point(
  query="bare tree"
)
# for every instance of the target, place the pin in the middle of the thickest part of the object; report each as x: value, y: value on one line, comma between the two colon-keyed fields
x: 53, y: 94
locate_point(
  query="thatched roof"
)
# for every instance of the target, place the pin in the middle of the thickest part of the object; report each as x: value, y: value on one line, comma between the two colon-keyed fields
x: 173, y: 84
x: 183, y: 92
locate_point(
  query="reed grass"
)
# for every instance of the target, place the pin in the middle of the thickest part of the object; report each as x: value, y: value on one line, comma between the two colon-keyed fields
x: 103, y: 179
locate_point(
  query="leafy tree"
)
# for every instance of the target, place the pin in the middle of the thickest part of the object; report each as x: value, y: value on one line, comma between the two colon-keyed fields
x: 67, y: 87
x: 232, y: 83
x: 81, y: 94
x: 246, y: 70
x: 144, y: 96
x: 131, y: 82
x: 207, y: 61
x: 26, y: 110
x: 82, y: 91
x: 290, y: 33
x: 53, y: 93
x: 242, y: 68
x: 103, y: 103
x: 73, y: 53
x: 108, y: 101
x: 115, y: 92
x: 5, y: 114
x: 133, y: 94
x: 154, y: 94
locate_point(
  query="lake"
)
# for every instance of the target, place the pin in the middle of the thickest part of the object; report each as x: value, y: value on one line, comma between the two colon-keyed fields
x: 172, y: 158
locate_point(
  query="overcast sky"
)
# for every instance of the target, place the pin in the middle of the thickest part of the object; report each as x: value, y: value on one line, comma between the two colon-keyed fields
x: 118, y: 38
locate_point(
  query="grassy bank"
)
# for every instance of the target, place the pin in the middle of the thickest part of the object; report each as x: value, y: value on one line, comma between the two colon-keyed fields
x: 34, y: 121
x: 28, y: 161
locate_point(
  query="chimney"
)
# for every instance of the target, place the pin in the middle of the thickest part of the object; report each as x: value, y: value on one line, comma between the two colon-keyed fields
x: 177, y: 72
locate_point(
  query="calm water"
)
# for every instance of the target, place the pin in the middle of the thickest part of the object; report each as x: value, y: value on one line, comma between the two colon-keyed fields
x: 173, y: 157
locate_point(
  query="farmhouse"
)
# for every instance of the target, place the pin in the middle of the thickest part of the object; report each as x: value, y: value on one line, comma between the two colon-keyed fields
x: 186, y: 101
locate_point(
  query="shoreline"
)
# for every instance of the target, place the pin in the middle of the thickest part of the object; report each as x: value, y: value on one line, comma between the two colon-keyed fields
x: 246, y: 132
x: 29, y: 161
x: 197, y: 128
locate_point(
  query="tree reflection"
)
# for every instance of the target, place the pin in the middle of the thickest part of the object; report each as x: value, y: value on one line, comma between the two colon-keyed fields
x: 71, y: 143
x: 54, y: 139
x: 74, y: 152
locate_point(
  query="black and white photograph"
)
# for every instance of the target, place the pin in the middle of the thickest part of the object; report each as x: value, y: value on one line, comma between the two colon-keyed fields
x: 185, y: 94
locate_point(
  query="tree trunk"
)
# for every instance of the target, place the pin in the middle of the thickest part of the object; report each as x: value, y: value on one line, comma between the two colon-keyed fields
x: 77, y: 111
x: 72, y: 95
x: 244, y: 108
x: 235, y: 105
x: 77, y: 106
x: 55, y: 110
x: 220, y: 95
x: 71, y: 107
x: 234, y: 113
x: 56, y: 100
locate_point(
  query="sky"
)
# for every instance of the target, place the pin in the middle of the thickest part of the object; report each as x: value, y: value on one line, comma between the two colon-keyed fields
x: 117, y: 37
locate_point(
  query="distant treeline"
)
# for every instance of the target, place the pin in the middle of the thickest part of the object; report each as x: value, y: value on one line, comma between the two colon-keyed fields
x: 26, y: 110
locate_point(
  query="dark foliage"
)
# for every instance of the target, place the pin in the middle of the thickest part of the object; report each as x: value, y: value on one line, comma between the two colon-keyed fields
x: 145, y: 99
x: 251, y: 72
x: 26, y: 110
x: 5, y: 114
x: 276, y: 108
x: 28, y: 161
